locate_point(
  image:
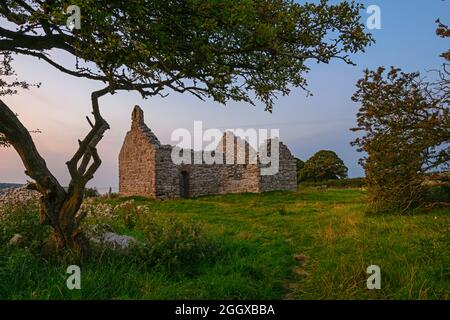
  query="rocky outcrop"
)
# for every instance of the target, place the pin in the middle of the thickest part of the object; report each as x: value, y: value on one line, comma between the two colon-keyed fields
x: 15, y: 240
x: 102, y: 234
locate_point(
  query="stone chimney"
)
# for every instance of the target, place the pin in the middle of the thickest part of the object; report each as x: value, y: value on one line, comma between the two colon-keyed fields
x: 137, y: 117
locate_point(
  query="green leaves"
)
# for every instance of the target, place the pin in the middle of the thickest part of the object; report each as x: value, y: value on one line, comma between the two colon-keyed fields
x: 323, y: 165
x: 406, y: 129
x: 225, y: 50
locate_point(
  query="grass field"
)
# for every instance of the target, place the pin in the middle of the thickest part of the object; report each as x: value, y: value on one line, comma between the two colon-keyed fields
x: 242, y: 246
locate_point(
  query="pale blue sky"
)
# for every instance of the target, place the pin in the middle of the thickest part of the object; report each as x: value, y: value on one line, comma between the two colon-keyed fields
x: 307, y: 124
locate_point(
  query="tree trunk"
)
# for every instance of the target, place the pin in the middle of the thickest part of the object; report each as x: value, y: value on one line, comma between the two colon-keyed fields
x: 65, y: 219
x: 59, y: 208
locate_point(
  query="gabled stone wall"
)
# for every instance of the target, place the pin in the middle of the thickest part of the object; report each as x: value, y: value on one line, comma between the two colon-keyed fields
x: 137, y: 159
x: 286, y: 178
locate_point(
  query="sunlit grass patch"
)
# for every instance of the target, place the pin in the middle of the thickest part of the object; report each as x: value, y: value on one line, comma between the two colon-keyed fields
x: 309, y: 244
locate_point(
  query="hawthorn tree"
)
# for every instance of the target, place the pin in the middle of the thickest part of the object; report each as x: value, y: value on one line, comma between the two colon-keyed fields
x: 223, y: 50
x: 406, y: 126
x: 407, y: 133
x: 444, y: 32
x: 323, y: 165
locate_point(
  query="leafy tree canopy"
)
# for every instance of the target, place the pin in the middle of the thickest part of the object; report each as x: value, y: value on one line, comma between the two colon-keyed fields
x: 219, y: 49
x: 323, y: 165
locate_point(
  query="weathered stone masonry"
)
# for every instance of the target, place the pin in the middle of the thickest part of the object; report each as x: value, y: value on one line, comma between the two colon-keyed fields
x: 146, y: 168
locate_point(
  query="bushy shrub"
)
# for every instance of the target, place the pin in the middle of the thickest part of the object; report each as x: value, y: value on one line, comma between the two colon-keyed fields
x: 168, y: 242
x: 404, y: 122
x: 164, y: 241
x: 172, y: 242
x: 341, y: 183
x: 438, y: 194
x: 23, y: 220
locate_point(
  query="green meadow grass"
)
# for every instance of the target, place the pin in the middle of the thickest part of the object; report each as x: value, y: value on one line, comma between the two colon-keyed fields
x: 245, y: 250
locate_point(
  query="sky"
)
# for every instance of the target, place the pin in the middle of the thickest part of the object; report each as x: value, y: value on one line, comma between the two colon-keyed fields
x: 307, y: 124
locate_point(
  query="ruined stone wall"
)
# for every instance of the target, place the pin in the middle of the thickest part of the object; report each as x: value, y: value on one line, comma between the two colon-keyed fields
x: 286, y: 178
x: 137, y: 159
x: 204, y: 179
x: 207, y: 179
x: 240, y: 178
x: 167, y: 174
x: 137, y: 166
x: 242, y: 174
x: 146, y: 168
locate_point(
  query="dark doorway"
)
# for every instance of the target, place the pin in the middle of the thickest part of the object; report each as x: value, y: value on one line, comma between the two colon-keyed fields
x: 184, y: 184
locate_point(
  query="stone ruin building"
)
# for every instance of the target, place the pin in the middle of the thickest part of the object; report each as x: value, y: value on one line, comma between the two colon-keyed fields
x: 146, y: 168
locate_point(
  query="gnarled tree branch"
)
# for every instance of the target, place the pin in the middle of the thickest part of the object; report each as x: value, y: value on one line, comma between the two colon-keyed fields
x: 36, y: 168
